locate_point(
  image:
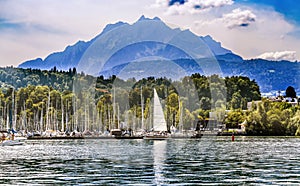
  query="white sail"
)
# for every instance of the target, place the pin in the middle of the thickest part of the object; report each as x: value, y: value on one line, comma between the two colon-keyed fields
x: 159, y: 122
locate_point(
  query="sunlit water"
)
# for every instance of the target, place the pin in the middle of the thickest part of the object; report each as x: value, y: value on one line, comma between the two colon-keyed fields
x: 206, y: 161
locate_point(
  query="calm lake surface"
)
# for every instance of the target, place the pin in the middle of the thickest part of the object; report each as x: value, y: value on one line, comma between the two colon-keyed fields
x: 205, y: 161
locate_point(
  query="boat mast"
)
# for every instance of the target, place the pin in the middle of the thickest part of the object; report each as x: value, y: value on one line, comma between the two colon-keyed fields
x: 47, y: 111
x: 142, y: 105
x: 85, y: 115
x: 100, y: 123
x: 41, y: 119
x: 62, y: 114
x: 67, y: 116
x: 7, y: 118
x: 55, y: 115
x: 24, y: 118
x: 14, y: 108
x: 118, y: 116
x: 75, y: 114
x: 114, y: 106
x: 180, y: 126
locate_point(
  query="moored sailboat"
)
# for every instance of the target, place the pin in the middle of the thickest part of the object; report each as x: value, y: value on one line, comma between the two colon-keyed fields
x: 9, y: 139
x: 160, y: 130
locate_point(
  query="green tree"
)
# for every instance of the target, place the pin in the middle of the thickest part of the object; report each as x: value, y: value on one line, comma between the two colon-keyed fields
x: 234, y: 118
x: 236, y: 102
x: 290, y: 92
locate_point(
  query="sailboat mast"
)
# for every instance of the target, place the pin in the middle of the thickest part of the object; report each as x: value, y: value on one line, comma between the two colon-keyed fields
x: 75, y: 116
x: 7, y: 119
x: 101, y: 128
x: 85, y: 115
x: 142, y: 105
x: 118, y: 116
x: 62, y: 114
x: 67, y: 116
x: 24, y: 118
x: 41, y: 119
x: 13, y: 108
x: 114, y: 105
x: 180, y: 109
x: 47, y: 111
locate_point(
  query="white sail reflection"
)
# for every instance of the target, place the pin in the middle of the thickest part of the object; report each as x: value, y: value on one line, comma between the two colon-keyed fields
x: 159, y: 156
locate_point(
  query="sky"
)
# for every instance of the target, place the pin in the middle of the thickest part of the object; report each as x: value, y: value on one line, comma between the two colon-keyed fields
x: 268, y: 29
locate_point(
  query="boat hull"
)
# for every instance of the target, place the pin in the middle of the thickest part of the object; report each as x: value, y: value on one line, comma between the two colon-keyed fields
x: 157, y: 137
x: 129, y: 137
x: 53, y: 137
x: 11, y: 143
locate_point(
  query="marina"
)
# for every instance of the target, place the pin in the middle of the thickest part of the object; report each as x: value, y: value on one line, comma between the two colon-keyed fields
x: 164, y: 92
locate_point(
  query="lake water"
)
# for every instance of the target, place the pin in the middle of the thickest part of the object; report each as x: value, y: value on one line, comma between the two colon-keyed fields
x: 206, y: 161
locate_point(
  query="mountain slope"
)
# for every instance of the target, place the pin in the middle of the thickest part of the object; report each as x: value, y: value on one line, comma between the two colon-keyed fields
x: 71, y: 56
x: 120, y: 46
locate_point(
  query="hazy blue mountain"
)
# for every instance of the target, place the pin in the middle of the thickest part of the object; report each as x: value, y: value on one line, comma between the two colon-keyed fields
x: 62, y: 60
x: 162, y: 48
x: 71, y: 56
x: 216, y: 47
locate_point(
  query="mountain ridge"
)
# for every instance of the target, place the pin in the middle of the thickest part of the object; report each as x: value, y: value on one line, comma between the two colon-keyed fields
x: 270, y: 75
x: 71, y: 55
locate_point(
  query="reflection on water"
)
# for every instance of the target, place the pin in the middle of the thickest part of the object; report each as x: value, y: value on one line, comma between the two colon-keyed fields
x: 215, y: 161
x: 159, y: 156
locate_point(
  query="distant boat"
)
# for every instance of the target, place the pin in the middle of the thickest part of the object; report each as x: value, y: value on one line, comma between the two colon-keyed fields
x: 160, y: 130
x: 119, y: 134
x: 129, y: 137
x: 54, y: 137
x: 10, y: 140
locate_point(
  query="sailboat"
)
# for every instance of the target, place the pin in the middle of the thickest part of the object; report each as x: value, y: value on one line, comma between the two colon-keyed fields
x: 8, y: 137
x: 160, y: 130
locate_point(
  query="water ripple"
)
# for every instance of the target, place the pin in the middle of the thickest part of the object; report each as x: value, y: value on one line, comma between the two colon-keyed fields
x: 217, y: 161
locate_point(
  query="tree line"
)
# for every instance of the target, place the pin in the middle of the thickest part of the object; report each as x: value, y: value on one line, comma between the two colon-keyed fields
x: 36, y: 100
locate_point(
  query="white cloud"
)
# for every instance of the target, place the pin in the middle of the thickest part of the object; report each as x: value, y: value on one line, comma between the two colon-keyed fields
x: 211, y: 3
x: 161, y: 3
x: 270, y: 32
x: 278, y: 56
x: 239, y: 18
x: 191, y: 6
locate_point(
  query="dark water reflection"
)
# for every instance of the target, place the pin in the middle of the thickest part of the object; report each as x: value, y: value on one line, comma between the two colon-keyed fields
x: 208, y: 161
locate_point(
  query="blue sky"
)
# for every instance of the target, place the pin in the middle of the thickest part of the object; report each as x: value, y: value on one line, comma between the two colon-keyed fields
x: 251, y: 28
x: 289, y: 8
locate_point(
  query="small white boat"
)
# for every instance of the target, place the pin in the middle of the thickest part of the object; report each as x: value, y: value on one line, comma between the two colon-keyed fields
x: 10, y: 139
x: 12, y: 142
x: 157, y: 136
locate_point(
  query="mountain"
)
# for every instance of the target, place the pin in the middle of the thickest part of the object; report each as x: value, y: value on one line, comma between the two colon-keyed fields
x: 147, y: 45
x: 71, y: 56
x: 62, y: 60
x: 216, y: 47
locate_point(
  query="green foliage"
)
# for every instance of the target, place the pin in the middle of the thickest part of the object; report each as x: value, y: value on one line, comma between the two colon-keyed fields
x: 290, y: 92
x: 234, y: 118
x: 273, y: 118
x: 55, y: 100
x: 241, y: 90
